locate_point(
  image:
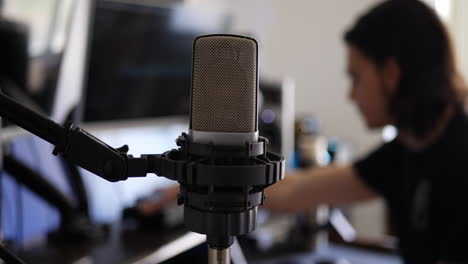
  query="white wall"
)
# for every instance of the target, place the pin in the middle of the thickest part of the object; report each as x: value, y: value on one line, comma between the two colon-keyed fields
x: 458, y: 26
x: 71, y: 76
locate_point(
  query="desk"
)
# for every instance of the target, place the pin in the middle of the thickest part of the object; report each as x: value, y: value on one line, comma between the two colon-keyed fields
x: 145, y: 247
x: 347, y: 255
x: 137, y: 247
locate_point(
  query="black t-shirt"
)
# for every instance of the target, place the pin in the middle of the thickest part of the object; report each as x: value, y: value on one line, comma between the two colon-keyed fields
x: 426, y: 192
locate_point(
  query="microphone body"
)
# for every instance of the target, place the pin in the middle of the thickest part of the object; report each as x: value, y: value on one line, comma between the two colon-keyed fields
x: 224, y: 90
x: 233, y: 164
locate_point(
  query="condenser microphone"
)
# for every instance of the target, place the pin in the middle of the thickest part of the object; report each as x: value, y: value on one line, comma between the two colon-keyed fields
x: 228, y: 165
x: 224, y: 90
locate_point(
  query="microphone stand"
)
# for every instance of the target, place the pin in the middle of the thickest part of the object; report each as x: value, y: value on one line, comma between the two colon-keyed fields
x: 220, y: 207
x: 219, y: 256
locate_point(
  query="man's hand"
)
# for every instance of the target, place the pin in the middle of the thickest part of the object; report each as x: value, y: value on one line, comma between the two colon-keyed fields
x: 169, y: 196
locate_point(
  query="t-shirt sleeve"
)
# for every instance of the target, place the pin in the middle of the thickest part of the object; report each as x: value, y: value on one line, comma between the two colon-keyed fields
x: 379, y: 169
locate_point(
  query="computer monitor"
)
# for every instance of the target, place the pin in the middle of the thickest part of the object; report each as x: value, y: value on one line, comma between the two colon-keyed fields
x: 140, y: 58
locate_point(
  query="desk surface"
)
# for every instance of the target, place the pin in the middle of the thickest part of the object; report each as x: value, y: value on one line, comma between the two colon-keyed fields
x: 133, y: 246
x: 340, y: 254
x: 145, y: 247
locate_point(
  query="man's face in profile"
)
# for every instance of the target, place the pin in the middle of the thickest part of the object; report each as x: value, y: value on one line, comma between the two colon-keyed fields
x: 368, y: 89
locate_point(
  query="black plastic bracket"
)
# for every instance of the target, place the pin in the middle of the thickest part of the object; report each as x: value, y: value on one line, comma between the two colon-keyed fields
x: 250, y: 149
x: 221, y: 186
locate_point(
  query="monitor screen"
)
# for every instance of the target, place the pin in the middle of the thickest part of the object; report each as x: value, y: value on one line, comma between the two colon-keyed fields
x: 140, y: 58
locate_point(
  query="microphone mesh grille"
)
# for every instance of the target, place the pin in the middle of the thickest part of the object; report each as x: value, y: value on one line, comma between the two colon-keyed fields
x: 224, y: 84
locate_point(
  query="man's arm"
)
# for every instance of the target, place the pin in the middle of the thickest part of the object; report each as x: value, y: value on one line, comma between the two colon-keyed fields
x: 169, y: 197
x: 311, y: 187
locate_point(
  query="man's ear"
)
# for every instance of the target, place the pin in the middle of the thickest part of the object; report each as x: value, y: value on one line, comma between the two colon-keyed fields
x: 391, y: 73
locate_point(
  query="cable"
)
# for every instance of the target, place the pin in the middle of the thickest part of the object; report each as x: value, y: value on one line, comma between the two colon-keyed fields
x: 8, y: 256
x: 19, y: 214
x: 1, y: 189
x: 5, y: 254
x: 9, y: 210
x: 19, y: 210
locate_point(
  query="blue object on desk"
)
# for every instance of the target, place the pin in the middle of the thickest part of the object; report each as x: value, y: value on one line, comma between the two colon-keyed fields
x: 24, y: 214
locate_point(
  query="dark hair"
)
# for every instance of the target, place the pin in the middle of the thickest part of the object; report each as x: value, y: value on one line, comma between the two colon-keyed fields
x: 411, y: 32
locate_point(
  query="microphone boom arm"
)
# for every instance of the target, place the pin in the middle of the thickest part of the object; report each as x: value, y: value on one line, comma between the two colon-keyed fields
x: 75, y: 144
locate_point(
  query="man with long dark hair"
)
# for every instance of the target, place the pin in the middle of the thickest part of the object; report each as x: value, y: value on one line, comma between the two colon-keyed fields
x: 403, y: 73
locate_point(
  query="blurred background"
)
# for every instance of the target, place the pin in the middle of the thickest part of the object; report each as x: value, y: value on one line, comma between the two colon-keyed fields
x: 121, y: 69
